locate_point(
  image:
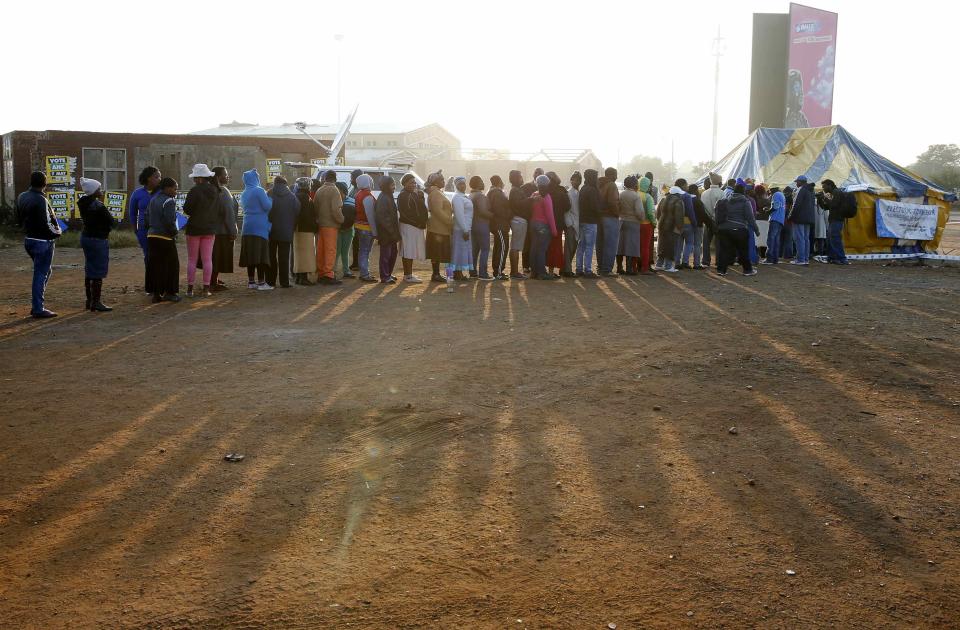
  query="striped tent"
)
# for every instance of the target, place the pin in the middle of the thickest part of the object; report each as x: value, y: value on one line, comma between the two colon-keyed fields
x: 776, y: 157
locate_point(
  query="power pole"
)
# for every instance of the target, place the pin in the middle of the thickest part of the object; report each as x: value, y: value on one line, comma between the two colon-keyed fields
x: 339, y: 39
x: 717, y: 53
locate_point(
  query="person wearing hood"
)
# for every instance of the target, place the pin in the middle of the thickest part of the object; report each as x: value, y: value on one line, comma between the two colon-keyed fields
x: 609, y: 237
x: 632, y: 211
x: 304, y: 235
x: 412, y: 206
x: 346, y: 231
x: 778, y: 207
x: 670, y: 214
x: 543, y: 226
x: 712, y: 193
x: 283, y: 221
x: 388, y: 229
x: 365, y: 224
x: 162, y: 260
x: 521, y: 206
x: 137, y: 209
x: 499, y: 226
x: 561, y: 205
x: 571, y: 225
x: 480, y: 231
x: 735, y: 217
x: 439, y: 225
x: 355, y: 245
x: 803, y: 216
x: 204, y: 213
x: 461, y: 249
x: 589, y: 197
x: 254, y: 240
x: 39, y: 222
x: 226, y: 236
x: 97, y: 224
x: 329, y: 208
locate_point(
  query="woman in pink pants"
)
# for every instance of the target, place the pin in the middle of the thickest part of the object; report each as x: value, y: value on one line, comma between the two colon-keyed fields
x: 204, y: 214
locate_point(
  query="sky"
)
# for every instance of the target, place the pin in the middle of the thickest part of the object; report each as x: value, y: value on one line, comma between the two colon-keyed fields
x: 620, y: 78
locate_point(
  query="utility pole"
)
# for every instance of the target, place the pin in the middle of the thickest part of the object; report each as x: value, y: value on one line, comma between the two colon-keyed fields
x: 717, y: 53
x: 339, y: 38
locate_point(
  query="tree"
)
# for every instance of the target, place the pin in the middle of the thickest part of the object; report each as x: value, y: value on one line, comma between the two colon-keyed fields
x: 646, y: 163
x: 940, y: 163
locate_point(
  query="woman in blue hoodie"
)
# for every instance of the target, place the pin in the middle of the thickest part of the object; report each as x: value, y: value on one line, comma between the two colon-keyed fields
x: 254, y: 243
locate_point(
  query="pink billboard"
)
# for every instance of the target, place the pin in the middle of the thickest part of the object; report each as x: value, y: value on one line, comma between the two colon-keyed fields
x: 810, y: 62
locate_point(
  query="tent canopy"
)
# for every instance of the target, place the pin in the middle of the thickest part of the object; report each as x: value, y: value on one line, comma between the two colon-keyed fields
x: 777, y: 157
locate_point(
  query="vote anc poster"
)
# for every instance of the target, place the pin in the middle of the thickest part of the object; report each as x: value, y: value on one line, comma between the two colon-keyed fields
x: 906, y: 221
x: 273, y: 170
x: 236, y: 196
x: 61, y: 202
x: 59, y: 169
x: 116, y: 203
x: 181, y: 217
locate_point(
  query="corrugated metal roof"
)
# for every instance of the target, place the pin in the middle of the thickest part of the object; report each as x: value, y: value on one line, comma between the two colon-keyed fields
x: 288, y: 129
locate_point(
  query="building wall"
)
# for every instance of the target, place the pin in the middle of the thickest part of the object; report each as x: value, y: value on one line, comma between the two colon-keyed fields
x: 25, y: 151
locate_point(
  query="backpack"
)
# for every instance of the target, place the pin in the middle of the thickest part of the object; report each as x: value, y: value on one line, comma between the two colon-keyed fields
x: 849, y: 208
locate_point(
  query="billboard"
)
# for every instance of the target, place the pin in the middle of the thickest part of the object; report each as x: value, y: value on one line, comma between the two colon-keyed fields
x: 811, y: 56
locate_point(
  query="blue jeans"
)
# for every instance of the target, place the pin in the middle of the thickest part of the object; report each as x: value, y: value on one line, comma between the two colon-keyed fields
x: 773, y: 242
x: 787, y: 246
x: 684, y: 246
x: 835, y: 251
x: 611, y: 243
x: 366, y: 244
x: 588, y: 237
x: 539, y: 243
x: 42, y: 254
x: 801, y: 240
x: 752, y: 248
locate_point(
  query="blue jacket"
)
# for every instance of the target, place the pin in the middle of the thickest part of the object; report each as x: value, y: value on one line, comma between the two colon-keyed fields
x: 256, y: 206
x: 283, y: 215
x: 804, y: 206
x: 778, y: 207
x: 689, y: 210
x: 137, y: 209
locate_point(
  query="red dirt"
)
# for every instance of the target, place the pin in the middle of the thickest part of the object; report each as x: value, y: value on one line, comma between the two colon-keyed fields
x: 532, y: 455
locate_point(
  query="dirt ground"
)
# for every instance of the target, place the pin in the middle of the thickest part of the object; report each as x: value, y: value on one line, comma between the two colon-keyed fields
x: 515, y: 455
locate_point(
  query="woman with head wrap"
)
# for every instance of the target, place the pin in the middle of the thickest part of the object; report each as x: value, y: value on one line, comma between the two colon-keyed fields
x: 461, y: 249
x: 97, y: 223
x: 543, y: 225
x: 388, y: 229
x: 480, y: 232
x: 412, y: 206
x: 439, y: 225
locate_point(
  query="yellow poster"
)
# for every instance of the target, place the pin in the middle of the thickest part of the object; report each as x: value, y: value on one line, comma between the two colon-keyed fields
x: 116, y: 203
x: 60, y: 201
x: 58, y: 169
x: 273, y: 170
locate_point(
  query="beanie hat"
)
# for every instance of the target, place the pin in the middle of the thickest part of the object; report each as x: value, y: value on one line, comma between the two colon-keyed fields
x: 630, y: 182
x: 364, y: 181
x: 543, y: 180
x: 89, y: 186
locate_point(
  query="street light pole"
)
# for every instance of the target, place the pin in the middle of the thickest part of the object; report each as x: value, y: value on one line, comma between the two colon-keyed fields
x: 717, y: 52
x: 339, y: 38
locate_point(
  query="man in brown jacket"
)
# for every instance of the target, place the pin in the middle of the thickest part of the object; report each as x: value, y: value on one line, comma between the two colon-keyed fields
x: 329, y: 209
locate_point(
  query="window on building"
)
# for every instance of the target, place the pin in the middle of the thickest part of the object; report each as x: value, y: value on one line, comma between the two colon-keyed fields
x: 371, y: 143
x: 107, y: 166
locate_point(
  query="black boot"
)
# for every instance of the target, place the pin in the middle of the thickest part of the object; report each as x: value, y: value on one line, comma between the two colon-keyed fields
x: 619, y: 264
x: 86, y: 288
x: 96, y: 305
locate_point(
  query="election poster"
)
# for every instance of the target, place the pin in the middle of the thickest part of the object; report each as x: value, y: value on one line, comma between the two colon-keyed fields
x: 61, y: 202
x: 811, y: 56
x: 273, y: 170
x: 906, y: 221
x: 116, y: 203
x: 236, y: 197
x: 59, y: 169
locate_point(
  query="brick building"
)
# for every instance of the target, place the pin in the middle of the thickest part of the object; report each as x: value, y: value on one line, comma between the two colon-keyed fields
x: 116, y: 159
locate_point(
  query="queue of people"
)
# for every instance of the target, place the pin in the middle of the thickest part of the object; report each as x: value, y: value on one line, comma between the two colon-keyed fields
x: 541, y: 228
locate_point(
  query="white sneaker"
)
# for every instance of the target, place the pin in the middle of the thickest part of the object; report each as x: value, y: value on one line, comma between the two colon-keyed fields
x: 752, y: 272
x: 449, y: 286
x: 412, y: 279
x: 264, y: 287
x: 252, y: 285
x: 671, y: 270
